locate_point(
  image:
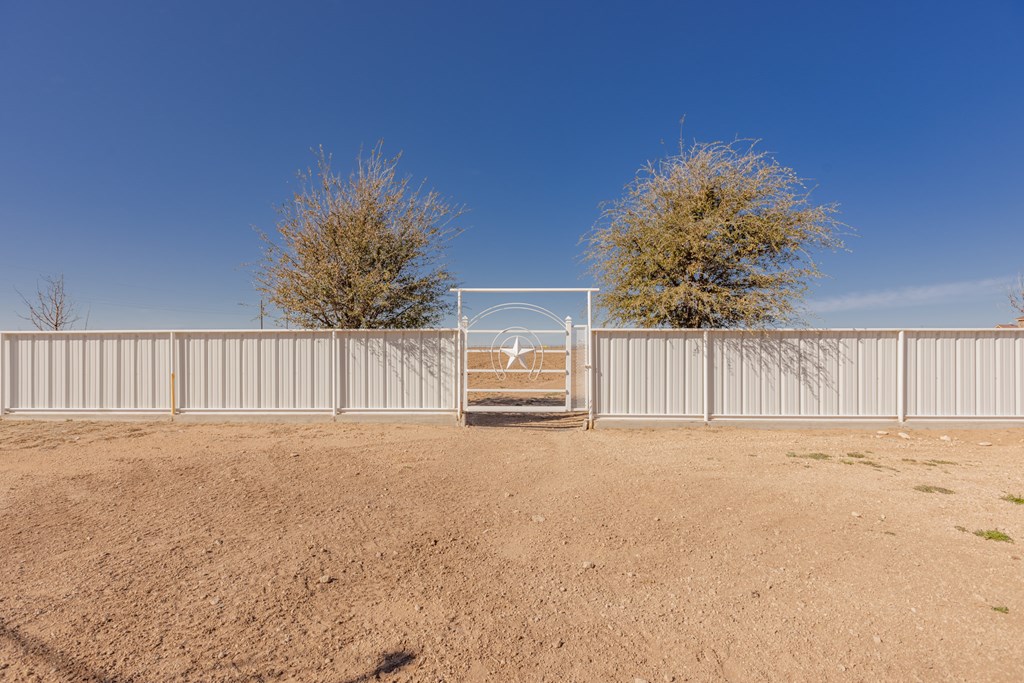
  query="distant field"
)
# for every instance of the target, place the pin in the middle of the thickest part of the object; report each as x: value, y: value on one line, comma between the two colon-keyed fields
x: 552, y: 361
x: 334, y: 552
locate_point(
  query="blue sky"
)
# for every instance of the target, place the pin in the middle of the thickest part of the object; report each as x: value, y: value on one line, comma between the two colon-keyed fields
x: 140, y: 143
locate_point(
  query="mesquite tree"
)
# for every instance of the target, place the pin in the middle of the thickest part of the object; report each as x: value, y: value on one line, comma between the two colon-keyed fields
x: 718, y: 235
x: 361, y: 252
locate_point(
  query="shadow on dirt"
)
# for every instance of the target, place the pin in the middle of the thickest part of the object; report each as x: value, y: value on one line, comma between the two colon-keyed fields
x: 389, y: 662
x: 66, y: 667
x: 528, y: 420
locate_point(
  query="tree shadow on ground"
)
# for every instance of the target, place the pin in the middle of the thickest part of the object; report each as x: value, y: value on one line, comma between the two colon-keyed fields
x: 389, y: 662
x: 66, y: 667
x: 528, y: 420
x: 497, y: 398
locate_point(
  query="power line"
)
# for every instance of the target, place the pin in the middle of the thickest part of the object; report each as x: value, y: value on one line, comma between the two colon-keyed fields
x: 117, y: 304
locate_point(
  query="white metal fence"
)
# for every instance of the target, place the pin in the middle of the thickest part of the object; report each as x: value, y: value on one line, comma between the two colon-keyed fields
x: 811, y: 374
x: 640, y: 373
x: 272, y: 371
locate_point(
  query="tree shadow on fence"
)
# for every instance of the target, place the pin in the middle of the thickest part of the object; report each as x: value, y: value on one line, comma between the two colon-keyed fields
x: 413, y: 368
x: 815, y: 360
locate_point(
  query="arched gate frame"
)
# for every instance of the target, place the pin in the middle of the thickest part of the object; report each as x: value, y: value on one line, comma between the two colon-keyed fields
x: 519, y: 349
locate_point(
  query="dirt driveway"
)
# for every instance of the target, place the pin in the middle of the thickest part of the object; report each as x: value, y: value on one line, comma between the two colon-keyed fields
x: 266, y: 552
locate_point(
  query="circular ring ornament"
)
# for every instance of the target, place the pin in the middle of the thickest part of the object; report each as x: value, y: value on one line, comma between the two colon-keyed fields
x: 517, y: 348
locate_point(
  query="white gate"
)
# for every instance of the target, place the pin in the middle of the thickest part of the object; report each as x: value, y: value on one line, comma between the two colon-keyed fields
x: 534, y: 361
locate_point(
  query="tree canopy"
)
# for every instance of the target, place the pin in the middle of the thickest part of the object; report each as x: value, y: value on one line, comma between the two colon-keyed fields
x: 361, y: 252
x: 718, y: 235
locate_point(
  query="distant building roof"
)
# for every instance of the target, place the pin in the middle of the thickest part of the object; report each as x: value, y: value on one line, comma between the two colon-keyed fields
x: 1011, y: 326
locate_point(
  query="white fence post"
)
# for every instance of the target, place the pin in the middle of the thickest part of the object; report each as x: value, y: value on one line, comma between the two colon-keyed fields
x: 335, y: 402
x: 460, y: 341
x: 591, y: 378
x: 461, y: 362
x: 589, y: 367
x: 172, y: 353
x: 464, y: 367
x: 3, y: 376
x: 707, y: 375
x: 901, y: 377
x: 568, y: 363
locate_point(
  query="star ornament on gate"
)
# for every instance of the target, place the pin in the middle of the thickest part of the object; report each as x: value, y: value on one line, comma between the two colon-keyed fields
x: 515, y: 353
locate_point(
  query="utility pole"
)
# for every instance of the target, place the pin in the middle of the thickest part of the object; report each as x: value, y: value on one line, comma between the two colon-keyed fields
x: 261, y: 311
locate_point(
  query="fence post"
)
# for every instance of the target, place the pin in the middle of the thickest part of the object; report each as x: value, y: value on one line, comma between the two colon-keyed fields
x: 568, y: 364
x: 591, y: 381
x: 901, y: 377
x: 172, y: 362
x: 458, y: 373
x: 461, y: 360
x: 464, y: 365
x: 591, y: 370
x: 3, y: 377
x: 334, y: 372
x: 706, y: 374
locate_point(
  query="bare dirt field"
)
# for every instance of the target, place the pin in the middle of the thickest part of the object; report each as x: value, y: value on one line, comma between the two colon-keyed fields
x: 332, y: 552
x: 545, y: 369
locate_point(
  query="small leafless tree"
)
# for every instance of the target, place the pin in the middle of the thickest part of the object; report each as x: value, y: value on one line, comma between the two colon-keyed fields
x: 52, y: 307
x: 362, y: 252
x: 718, y: 235
x: 1017, y: 295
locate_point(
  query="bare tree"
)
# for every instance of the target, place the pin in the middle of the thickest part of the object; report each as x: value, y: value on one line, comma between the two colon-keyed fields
x: 362, y: 252
x: 1016, y: 295
x: 52, y: 307
x: 718, y: 235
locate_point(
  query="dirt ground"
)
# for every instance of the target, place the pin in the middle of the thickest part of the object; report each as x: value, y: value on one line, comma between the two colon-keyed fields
x: 334, y: 552
x: 545, y: 369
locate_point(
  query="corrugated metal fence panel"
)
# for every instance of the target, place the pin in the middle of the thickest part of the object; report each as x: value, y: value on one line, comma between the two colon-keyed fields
x: 965, y: 373
x: 257, y: 371
x: 804, y: 373
x: 87, y: 372
x: 398, y: 370
x: 649, y: 372
x: 827, y: 373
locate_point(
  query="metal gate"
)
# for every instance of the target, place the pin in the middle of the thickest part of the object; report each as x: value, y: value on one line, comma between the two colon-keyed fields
x: 538, y: 364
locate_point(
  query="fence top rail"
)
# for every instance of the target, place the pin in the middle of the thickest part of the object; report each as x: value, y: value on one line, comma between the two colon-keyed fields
x: 524, y: 289
x: 43, y: 333
x: 453, y: 330
x: 893, y: 330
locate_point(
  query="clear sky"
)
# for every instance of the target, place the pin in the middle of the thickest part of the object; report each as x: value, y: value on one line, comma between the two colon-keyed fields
x: 141, y: 142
